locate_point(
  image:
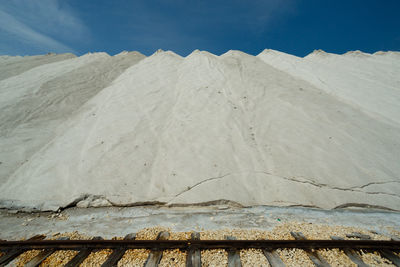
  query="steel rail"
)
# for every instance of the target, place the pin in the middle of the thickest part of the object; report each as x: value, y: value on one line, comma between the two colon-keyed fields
x: 200, y: 244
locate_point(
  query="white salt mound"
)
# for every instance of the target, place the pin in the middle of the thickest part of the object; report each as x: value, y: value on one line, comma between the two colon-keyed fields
x: 274, y: 129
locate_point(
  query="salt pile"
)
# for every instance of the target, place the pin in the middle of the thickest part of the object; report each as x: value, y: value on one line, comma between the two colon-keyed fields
x: 271, y: 129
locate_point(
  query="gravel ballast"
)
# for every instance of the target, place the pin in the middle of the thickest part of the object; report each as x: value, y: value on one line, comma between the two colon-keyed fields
x: 251, y: 257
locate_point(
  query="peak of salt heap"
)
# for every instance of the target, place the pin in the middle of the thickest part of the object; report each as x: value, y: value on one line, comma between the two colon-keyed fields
x: 233, y: 53
x: 159, y: 51
x: 272, y: 51
x: 356, y: 53
x: 390, y: 54
x: 161, y: 54
x: 198, y: 53
x: 319, y: 52
x: 264, y: 130
x: 123, y: 53
x: 129, y: 53
x: 99, y: 54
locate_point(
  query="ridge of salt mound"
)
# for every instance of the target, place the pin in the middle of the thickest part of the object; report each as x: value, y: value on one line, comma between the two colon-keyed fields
x: 194, y: 53
x: 357, y: 53
x: 124, y: 53
x: 272, y: 54
x: 276, y: 52
x: 319, y: 53
x: 209, y: 54
x: 50, y: 54
x: 164, y: 56
x: 200, y: 58
x: 172, y: 53
x: 198, y: 52
x: 387, y: 53
x: 161, y: 52
x: 158, y: 51
x: 95, y: 54
x: 354, y: 80
x: 280, y: 60
x: 234, y: 52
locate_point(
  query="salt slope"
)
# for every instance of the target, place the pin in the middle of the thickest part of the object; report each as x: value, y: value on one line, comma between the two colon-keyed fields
x: 369, y: 81
x: 206, y: 128
x: 11, y: 66
x: 35, y: 103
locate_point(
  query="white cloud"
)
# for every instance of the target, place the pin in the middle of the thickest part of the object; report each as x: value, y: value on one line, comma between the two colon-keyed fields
x: 23, y: 33
x: 38, y: 26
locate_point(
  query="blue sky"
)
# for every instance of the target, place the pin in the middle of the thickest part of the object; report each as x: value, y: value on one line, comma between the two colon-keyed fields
x: 29, y: 27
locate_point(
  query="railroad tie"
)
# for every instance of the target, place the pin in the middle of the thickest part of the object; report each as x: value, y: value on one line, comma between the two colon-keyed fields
x: 273, y: 258
x: 155, y: 255
x: 394, y: 238
x: 13, y: 253
x: 82, y: 255
x: 233, y: 255
x: 117, y: 254
x: 314, y: 256
x: 358, y: 235
x: 384, y: 252
x: 193, y: 258
x: 351, y: 253
x: 43, y: 255
x: 390, y: 256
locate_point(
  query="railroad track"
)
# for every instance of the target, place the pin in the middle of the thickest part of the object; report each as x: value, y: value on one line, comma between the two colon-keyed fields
x: 194, y: 246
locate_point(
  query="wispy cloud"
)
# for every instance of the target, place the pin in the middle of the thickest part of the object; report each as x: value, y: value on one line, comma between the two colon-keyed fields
x: 38, y: 27
x: 20, y: 32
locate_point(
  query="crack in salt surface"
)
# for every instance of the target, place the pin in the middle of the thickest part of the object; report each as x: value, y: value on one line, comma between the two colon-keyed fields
x: 374, y: 183
x: 307, y: 181
x: 292, y: 204
x: 201, y: 182
x: 320, y: 185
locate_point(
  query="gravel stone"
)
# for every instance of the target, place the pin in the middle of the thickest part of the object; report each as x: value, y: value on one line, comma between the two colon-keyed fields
x: 59, y: 258
x: 374, y: 259
x: 96, y: 258
x: 214, y: 257
x: 26, y: 256
x: 134, y: 257
x: 173, y: 258
x: 295, y: 257
x: 253, y: 258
